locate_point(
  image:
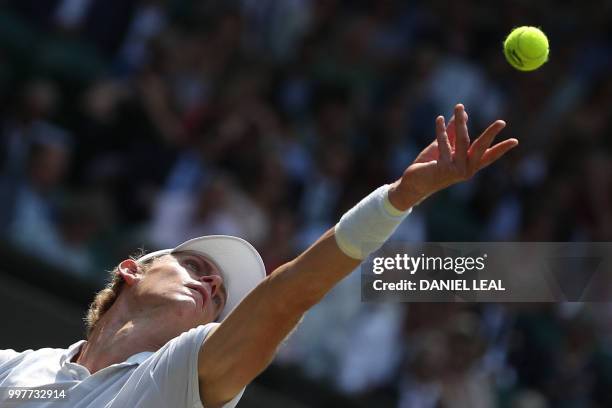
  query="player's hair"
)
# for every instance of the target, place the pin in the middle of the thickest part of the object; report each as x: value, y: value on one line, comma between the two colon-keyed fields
x: 105, y: 298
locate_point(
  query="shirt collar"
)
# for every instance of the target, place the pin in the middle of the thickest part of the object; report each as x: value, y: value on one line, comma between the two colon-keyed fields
x: 71, y: 352
x: 73, y: 349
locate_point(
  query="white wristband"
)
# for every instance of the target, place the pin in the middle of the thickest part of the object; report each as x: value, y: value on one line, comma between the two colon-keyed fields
x: 364, y: 228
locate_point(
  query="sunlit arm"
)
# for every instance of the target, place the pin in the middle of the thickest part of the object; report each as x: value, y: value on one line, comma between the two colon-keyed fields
x: 245, y: 343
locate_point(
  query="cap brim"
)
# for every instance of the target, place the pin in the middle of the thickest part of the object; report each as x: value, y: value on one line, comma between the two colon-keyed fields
x: 239, y: 263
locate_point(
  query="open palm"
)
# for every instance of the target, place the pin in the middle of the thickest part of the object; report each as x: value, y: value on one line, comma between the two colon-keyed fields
x: 450, y: 158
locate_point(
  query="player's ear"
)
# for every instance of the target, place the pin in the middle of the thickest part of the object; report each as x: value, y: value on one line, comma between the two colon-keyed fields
x: 129, y: 271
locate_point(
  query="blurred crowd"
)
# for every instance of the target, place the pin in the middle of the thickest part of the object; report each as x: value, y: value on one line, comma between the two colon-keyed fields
x: 142, y: 123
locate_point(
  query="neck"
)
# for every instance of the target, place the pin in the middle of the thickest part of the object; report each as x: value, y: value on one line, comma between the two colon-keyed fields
x: 117, y: 336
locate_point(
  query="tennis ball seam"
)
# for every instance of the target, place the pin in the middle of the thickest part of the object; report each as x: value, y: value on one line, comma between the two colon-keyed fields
x: 511, y: 53
x: 517, y: 48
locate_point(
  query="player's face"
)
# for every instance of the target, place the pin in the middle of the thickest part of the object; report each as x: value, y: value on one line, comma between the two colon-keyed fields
x: 185, y: 288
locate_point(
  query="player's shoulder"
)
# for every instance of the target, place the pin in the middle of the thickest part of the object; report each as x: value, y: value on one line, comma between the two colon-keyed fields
x: 201, y: 329
x: 41, y: 352
x: 195, y: 335
x: 211, y: 329
x: 8, y: 355
x: 13, y: 357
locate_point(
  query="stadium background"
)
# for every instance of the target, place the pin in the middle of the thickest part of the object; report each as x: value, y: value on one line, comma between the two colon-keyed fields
x: 128, y: 124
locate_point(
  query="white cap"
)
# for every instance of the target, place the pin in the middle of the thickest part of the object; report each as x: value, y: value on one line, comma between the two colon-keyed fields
x: 238, y: 261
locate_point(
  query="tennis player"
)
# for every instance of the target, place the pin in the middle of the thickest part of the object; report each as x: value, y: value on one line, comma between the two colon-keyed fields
x: 194, y: 325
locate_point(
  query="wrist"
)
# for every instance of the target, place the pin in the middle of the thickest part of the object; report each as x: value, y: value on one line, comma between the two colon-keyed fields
x: 403, y: 197
x: 365, y: 227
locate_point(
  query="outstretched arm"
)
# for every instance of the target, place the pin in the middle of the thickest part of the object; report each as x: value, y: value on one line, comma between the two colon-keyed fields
x: 245, y: 343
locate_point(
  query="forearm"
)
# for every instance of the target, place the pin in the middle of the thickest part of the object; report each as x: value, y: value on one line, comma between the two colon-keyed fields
x: 298, y: 285
x: 304, y: 281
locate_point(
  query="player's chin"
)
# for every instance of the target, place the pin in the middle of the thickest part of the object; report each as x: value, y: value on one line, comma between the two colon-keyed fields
x: 194, y: 317
x: 185, y: 308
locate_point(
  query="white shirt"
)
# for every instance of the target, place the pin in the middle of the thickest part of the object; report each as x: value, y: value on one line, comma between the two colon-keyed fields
x: 165, y: 378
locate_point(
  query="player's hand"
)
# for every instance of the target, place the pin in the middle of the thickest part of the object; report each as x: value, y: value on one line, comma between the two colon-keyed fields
x: 449, y: 159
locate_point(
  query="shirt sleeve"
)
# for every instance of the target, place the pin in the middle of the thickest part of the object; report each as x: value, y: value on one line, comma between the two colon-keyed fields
x: 169, y: 377
x: 6, y: 355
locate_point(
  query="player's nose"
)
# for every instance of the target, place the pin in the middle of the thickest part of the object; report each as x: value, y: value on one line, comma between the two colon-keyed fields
x: 214, y: 282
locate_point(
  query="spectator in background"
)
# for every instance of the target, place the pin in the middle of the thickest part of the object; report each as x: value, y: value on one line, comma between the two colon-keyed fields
x: 35, y: 218
x: 216, y: 207
x: 529, y: 399
x: 26, y: 121
x: 445, y: 367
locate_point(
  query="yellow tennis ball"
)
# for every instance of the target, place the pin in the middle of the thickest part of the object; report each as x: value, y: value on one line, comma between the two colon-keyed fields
x: 526, y: 48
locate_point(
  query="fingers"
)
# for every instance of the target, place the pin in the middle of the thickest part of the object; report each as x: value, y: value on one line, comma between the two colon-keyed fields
x: 444, y: 148
x: 450, y: 130
x: 497, y: 151
x: 480, y: 145
x: 462, y: 139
